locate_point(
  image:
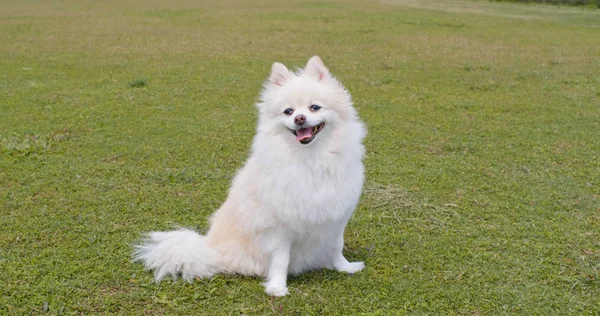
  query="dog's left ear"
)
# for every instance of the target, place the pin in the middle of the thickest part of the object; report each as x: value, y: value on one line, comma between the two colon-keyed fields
x: 316, y: 68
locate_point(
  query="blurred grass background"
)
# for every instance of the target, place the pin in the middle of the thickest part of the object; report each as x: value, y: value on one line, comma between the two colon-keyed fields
x: 122, y: 117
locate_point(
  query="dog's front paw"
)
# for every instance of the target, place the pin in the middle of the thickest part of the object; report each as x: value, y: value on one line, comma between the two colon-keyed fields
x: 351, y: 267
x: 276, y: 290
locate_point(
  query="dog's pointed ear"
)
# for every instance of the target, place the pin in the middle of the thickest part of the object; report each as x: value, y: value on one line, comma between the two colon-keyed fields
x: 317, y: 69
x: 279, y: 74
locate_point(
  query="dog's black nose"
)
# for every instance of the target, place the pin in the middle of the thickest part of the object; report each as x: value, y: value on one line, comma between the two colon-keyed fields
x: 300, y: 119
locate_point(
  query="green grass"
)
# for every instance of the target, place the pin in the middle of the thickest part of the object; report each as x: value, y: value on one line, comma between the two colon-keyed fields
x: 483, y: 165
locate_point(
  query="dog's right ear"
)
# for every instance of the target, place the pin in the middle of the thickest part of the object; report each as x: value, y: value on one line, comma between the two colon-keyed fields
x: 279, y: 74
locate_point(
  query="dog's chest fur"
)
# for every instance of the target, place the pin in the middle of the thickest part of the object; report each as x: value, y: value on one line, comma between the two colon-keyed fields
x: 308, y: 192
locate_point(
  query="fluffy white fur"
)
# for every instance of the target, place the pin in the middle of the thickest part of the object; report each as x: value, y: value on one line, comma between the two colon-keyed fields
x: 289, y: 205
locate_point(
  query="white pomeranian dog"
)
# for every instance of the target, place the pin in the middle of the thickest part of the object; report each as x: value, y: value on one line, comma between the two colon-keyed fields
x: 289, y: 205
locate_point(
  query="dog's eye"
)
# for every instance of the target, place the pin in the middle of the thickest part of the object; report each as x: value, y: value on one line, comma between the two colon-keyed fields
x: 315, y: 107
x: 288, y: 111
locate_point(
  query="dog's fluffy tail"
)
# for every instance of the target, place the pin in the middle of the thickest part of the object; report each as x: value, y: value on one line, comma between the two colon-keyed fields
x: 181, y: 252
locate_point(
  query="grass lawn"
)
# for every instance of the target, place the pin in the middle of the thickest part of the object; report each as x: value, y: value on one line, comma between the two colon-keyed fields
x: 483, y: 167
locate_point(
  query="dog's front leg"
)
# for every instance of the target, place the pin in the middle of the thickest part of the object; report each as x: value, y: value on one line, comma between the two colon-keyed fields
x: 336, y: 248
x: 275, y: 284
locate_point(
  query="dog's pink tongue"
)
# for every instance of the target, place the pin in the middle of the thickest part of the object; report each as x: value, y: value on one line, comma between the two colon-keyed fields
x: 303, y: 133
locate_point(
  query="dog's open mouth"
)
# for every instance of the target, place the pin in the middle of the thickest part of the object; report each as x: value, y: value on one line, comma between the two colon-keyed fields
x: 307, y: 134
